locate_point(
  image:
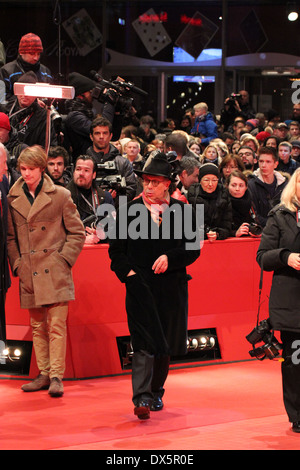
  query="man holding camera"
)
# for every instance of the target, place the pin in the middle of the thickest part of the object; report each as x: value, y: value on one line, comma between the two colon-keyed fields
x: 236, y: 105
x: 80, y: 114
x: 87, y: 196
x: 103, y: 152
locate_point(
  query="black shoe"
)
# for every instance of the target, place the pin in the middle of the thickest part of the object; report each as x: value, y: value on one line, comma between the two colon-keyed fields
x: 157, y: 404
x: 142, y: 409
x: 296, y: 426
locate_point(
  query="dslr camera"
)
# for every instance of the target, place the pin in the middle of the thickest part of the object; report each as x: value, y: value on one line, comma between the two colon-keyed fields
x: 255, y: 229
x: 263, y: 333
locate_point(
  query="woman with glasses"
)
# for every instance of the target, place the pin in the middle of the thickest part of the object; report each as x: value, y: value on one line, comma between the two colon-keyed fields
x: 216, y: 201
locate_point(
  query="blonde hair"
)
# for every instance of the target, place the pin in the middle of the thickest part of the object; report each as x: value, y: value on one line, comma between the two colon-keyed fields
x: 201, y: 106
x: 34, y: 156
x: 288, y: 196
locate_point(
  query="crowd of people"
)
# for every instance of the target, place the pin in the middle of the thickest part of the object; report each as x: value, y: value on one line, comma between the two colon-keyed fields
x: 236, y: 164
x: 259, y: 148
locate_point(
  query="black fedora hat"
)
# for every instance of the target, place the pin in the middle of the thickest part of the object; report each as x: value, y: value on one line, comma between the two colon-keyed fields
x: 159, y: 166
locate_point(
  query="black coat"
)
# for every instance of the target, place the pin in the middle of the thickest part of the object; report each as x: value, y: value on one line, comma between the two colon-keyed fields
x: 280, y: 237
x: 156, y: 304
x: 262, y: 201
x: 217, y: 209
x: 5, y: 280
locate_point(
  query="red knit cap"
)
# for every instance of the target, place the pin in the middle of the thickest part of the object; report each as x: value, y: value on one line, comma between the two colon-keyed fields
x: 30, y: 43
x: 4, y: 122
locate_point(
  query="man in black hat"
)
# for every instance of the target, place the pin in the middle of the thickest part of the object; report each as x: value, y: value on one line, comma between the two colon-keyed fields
x: 150, y: 256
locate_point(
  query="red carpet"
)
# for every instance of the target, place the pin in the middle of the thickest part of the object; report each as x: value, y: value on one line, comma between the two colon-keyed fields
x: 229, y: 406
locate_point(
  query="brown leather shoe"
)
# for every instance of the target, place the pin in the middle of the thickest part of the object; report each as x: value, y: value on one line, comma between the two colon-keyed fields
x: 56, y: 388
x: 41, y: 382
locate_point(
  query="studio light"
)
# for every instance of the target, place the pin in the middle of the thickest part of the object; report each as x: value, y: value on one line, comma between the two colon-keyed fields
x: 44, y: 90
x: 292, y: 12
x: 202, y: 345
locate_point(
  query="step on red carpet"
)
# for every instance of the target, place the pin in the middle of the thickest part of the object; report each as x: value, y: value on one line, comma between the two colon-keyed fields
x: 216, y: 407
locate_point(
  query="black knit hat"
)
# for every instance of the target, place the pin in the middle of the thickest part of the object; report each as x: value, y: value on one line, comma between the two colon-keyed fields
x: 80, y: 83
x: 208, y: 169
x: 159, y: 166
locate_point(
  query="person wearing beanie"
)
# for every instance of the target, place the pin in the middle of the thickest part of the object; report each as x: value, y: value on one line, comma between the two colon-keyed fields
x: 29, y: 54
x: 216, y: 202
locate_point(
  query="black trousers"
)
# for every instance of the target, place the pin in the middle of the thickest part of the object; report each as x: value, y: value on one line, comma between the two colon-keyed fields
x: 149, y: 374
x: 290, y: 370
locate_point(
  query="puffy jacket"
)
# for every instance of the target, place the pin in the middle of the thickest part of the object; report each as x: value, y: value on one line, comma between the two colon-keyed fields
x: 206, y: 128
x: 12, y: 71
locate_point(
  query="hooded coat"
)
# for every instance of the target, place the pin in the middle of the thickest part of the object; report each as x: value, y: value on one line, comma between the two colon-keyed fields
x: 44, y: 240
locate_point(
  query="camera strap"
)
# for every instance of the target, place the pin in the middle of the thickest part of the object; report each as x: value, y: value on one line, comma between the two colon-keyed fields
x: 259, y: 293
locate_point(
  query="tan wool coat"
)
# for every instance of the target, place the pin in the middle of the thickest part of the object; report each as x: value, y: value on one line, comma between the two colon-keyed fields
x: 44, y: 240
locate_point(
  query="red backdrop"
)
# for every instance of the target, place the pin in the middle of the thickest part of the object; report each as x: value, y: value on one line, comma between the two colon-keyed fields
x: 223, y: 294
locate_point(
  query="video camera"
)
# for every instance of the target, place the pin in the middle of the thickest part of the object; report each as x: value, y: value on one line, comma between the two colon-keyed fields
x: 230, y: 101
x: 263, y: 333
x: 115, y: 92
x: 108, y: 177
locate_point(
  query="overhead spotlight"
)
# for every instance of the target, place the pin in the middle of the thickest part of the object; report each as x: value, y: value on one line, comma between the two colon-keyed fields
x: 292, y: 12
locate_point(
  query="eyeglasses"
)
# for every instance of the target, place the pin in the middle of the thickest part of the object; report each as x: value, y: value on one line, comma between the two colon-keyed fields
x: 247, y: 154
x: 207, y: 181
x: 153, y: 182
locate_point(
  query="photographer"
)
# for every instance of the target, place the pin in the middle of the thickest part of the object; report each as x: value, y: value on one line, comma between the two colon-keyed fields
x: 279, y: 251
x: 103, y: 152
x: 80, y: 114
x: 236, y: 105
x: 88, y: 196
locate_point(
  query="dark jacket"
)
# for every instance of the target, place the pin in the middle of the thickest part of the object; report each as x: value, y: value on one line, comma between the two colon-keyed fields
x: 262, y: 201
x: 123, y: 166
x: 288, y: 167
x: 241, y: 211
x: 155, y: 302
x: 217, y: 209
x: 87, y: 215
x: 280, y: 237
x: 12, y: 71
x: 30, y: 124
x: 5, y: 280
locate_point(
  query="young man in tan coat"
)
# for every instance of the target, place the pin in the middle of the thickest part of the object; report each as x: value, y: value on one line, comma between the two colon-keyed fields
x: 45, y: 237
